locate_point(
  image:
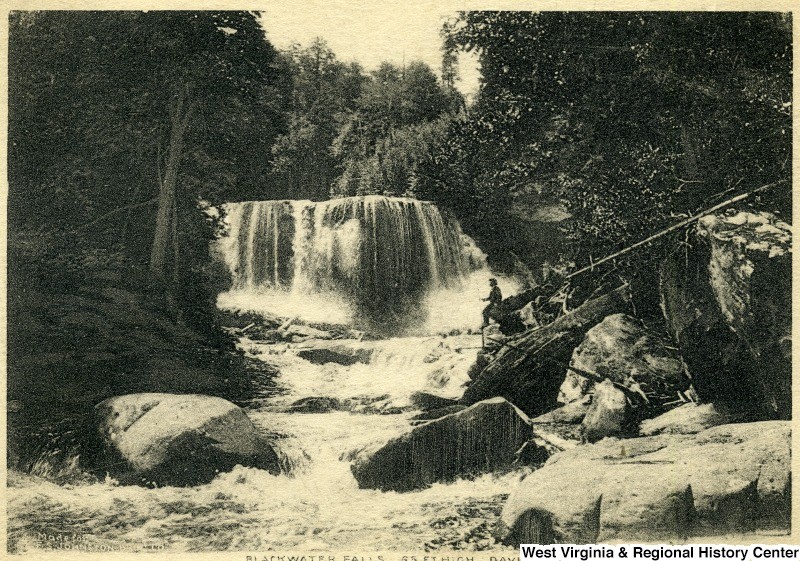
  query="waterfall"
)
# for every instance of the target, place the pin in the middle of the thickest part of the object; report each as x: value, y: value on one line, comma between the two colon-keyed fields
x: 372, y: 261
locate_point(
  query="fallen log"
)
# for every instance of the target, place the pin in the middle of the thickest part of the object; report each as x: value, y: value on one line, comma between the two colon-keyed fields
x: 285, y: 325
x: 678, y: 226
x: 527, y: 371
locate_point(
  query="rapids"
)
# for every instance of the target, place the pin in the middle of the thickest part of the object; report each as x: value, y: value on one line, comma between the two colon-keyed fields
x: 394, y: 266
x: 317, y: 506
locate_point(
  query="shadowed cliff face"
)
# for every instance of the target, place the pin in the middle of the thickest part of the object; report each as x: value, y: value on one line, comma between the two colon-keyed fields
x: 726, y: 301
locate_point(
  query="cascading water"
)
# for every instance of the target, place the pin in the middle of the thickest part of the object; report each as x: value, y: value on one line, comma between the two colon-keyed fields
x: 376, y: 261
x: 317, y: 506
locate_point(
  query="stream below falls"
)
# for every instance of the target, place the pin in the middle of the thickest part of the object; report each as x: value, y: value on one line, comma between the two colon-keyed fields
x: 316, y: 506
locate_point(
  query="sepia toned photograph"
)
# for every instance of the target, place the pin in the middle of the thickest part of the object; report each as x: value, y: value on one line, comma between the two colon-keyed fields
x: 350, y: 277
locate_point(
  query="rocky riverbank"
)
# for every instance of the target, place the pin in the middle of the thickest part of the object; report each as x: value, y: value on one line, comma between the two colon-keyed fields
x: 596, y: 426
x: 75, y: 345
x: 691, y: 422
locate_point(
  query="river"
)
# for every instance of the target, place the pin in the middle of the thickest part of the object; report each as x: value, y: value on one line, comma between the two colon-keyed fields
x: 316, y: 506
x: 392, y: 266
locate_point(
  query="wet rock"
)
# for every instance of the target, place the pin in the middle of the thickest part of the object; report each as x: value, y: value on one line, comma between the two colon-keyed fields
x: 315, y: 405
x: 481, y: 361
x: 304, y: 332
x: 726, y: 297
x: 240, y: 319
x: 465, y: 526
x: 428, y: 401
x: 271, y: 335
x: 436, y: 413
x: 730, y: 478
x: 365, y: 404
x: 479, y: 439
x: 620, y: 349
x: 169, y: 439
x: 692, y: 418
x: 337, y: 354
x: 608, y: 414
x: 381, y: 405
x: 436, y: 353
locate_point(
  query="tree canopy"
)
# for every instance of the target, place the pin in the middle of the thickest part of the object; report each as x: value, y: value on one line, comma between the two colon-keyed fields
x: 353, y: 132
x: 122, y: 121
x: 324, y: 94
x: 399, y: 117
x: 628, y: 118
x: 110, y: 110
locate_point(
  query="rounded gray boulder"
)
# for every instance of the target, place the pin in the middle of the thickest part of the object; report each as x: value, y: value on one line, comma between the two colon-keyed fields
x: 168, y: 439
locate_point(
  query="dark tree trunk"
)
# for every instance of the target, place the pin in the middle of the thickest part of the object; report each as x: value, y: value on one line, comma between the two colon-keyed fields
x: 180, y: 118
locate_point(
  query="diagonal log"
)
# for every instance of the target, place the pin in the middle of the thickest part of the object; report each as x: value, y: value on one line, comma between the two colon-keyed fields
x: 678, y: 226
x: 527, y: 372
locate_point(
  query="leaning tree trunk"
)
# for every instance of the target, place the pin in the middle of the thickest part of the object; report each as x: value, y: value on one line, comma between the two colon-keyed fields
x: 180, y: 116
x: 529, y: 370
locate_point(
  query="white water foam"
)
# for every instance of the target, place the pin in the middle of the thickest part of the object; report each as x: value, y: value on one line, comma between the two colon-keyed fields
x: 319, y: 507
x: 391, y: 264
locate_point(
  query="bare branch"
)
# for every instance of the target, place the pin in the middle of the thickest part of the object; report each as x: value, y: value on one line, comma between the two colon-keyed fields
x: 115, y: 211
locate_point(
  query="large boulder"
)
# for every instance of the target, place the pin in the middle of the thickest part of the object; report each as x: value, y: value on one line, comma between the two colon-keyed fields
x: 608, y: 415
x: 727, y: 479
x: 479, y: 439
x: 620, y: 349
x: 168, y: 439
x: 726, y: 296
x: 691, y: 418
x: 529, y: 369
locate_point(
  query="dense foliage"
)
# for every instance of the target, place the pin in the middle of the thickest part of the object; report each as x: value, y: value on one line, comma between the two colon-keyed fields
x: 96, y: 103
x: 122, y: 125
x: 631, y: 120
x: 398, y: 119
x: 357, y: 133
x: 324, y: 95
